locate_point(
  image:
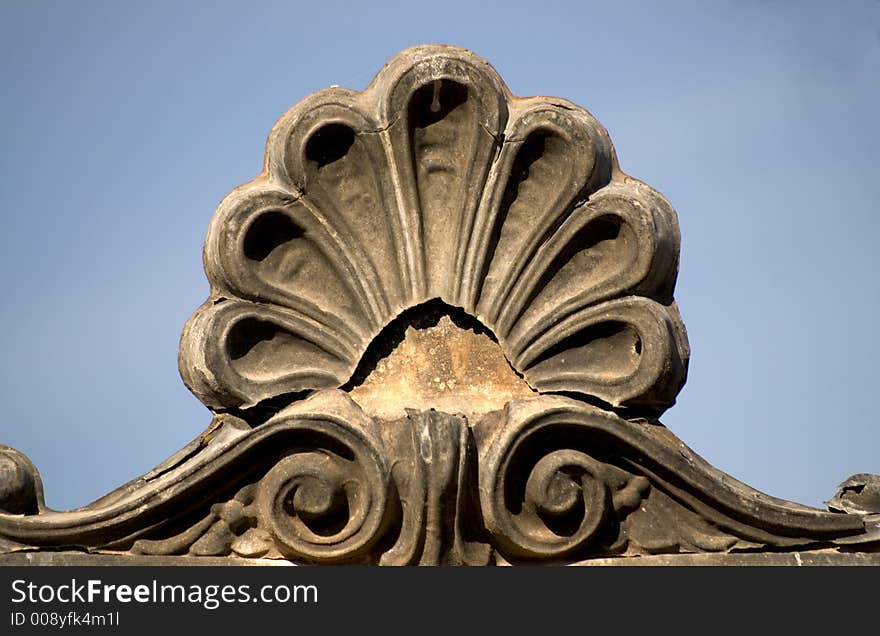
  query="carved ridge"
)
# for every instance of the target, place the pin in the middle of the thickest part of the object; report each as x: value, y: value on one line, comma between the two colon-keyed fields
x: 435, y: 183
x: 631, y: 474
x: 558, y: 481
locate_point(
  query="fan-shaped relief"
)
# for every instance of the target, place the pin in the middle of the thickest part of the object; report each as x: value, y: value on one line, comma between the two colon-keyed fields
x: 446, y: 114
x: 237, y: 353
x: 555, y: 155
x: 623, y: 241
x: 330, y: 147
x: 436, y: 183
x: 266, y: 245
x: 628, y: 351
x: 592, y: 312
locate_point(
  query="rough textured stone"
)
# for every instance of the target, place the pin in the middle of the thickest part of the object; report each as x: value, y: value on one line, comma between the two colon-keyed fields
x: 20, y: 488
x: 436, y: 360
x: 437, y: 183
x: 858, y: 494
x: 749, y: 559
x: 440, y: 330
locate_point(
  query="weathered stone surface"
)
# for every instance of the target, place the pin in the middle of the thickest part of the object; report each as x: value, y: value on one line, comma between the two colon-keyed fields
x: 826, y: 557
x: 437, y: 183
x: 20, y: 486
x: 434, y: 357
x: 441, y: 328
x: 546, y: 479
x: 859, y: 494
x: 78, y: 559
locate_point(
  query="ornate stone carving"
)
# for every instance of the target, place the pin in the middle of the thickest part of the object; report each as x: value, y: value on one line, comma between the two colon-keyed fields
x: 440, y: 330
x: 545, y: 479
x: 437, y: 183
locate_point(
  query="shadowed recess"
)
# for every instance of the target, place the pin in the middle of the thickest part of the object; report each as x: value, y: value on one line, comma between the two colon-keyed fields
x: 435, y: 101
x: 247, y: 334
x: 605, y: 351
x: 288, y: 258
x: 269, y: 231
x: 329, y: 143
x: 261, y: 350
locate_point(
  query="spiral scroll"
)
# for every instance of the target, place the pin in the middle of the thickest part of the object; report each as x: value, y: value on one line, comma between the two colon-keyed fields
x: 543, y: 506
x: 321, y: 507
x: 564, y: 503
x: 323, y: 501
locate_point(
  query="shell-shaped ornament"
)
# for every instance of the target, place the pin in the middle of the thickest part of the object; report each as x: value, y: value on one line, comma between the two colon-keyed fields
x: 437, y: 183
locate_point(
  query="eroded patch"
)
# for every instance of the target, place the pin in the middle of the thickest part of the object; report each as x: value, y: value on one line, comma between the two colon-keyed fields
x: 435, y: 356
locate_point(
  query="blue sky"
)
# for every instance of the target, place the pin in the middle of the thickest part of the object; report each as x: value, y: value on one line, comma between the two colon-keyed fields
x: 124, y: 124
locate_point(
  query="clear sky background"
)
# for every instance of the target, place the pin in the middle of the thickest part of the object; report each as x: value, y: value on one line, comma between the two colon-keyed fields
x: 125, y: 123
